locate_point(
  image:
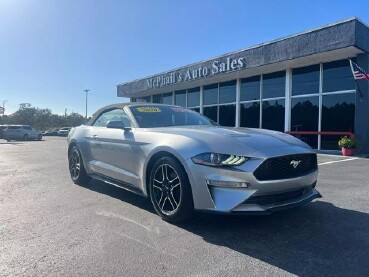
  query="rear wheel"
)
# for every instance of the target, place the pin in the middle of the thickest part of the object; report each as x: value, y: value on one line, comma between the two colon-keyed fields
x: 76, y: 168
x: 170, y: 191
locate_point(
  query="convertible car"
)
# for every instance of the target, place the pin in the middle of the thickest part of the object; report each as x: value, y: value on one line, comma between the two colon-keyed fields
x: 184, y: 162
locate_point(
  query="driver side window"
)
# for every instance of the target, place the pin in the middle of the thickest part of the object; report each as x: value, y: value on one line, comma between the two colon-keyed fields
x: 114, y: 114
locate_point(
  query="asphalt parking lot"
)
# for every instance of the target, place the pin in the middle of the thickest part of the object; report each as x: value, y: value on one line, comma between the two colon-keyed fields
x: 51, y: 227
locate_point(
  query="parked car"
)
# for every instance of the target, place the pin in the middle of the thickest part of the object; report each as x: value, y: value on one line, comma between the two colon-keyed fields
x: 183, y: 162
x: 2, y: 128
x: 53, y: 132
x: 63, y: 132
x: 21, y: 132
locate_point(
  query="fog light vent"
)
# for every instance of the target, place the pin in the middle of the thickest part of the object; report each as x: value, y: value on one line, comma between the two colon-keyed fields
x: 230, y: 184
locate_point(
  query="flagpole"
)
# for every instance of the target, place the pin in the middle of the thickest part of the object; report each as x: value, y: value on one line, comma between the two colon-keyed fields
x: 357, y: 84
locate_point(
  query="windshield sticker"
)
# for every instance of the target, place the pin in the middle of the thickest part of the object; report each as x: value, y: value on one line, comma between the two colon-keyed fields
x: 181, y: 110
x: 148, y: 109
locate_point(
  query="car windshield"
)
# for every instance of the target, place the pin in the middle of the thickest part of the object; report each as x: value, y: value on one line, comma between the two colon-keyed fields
x: 151, y: 116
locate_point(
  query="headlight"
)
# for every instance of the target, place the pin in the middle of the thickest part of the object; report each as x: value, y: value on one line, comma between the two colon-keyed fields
x: 215, y: 159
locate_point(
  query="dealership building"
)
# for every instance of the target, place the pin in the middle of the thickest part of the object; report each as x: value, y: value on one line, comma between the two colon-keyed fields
x: 302, y: 82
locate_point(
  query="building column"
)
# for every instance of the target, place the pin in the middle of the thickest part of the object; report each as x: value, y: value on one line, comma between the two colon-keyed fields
x: 287, y: 105
x: 362, y: 107
x: 238, y: 96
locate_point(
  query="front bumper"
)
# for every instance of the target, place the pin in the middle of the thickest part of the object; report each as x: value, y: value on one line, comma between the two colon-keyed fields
x: 260, y: 197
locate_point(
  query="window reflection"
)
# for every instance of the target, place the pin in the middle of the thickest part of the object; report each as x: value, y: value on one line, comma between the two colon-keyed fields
x: 168, y: 98
x: 305, y: 80
x: 338, y: 114
x: 227, y: 92
x: 227, y: 115
x: 211, y: 112
x: 273, y: 115
x: 274, y: 84
x: 250, y: 88
x: 250, y: 115
x: 180, y: 98
x: 305, y: 117
x: 193, y: 97
x: 211, y: 94
x: 337, y: 76
x: 157, y: 98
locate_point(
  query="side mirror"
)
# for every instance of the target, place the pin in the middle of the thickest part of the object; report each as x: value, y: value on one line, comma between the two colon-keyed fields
x: 117, y: 124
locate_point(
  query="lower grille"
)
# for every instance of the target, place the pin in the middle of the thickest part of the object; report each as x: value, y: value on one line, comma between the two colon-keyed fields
x: 286, y: 167
x: 277, y: 198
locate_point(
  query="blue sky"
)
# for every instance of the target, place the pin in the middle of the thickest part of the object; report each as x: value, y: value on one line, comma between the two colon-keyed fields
x: 51, y: 50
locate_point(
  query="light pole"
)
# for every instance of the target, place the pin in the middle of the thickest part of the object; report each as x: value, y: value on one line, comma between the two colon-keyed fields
x: 4, y: 101
x: 86, y: 90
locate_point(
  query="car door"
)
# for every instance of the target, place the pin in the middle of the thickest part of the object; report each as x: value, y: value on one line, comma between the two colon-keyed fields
x: 111, y: 149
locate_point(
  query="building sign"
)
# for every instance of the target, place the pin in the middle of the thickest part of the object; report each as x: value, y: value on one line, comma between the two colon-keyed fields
x: 190, y: 74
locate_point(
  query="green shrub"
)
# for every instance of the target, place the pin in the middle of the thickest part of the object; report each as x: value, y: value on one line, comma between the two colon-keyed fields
x: 347, y: 142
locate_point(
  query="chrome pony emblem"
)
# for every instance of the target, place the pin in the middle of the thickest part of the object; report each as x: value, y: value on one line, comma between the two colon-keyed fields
x: 295, y: 163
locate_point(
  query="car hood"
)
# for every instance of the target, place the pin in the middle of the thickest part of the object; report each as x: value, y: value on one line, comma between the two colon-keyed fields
x: 246, y: 141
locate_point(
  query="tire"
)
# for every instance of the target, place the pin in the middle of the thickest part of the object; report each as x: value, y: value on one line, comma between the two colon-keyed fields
x: 25, y: 137
x: 39, y: 137
x: 76, y: 167
x: 170, y: 191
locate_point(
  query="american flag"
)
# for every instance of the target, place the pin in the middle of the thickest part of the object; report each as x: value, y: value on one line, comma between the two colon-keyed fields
x: 358, y: 72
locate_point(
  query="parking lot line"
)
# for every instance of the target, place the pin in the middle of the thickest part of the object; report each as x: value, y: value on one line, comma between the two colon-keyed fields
x: 344, y: 160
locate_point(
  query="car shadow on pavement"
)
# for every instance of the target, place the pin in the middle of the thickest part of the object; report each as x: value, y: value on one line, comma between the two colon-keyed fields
x: 120, y: 194
x: 314, y: 240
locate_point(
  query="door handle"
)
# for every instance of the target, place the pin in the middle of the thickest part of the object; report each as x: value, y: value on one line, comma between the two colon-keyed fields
x: 94, y: 137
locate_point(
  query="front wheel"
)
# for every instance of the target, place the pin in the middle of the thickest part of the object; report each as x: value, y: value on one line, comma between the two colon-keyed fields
x: 170, y: 191
x: 25, y: 137
x: 76, y: 168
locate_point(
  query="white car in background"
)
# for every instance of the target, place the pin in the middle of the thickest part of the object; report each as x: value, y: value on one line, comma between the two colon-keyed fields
x: 21, y: 132
x: 63, y: 132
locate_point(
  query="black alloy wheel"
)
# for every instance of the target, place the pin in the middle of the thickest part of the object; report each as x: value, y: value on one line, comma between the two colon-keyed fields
x: 170, y: 191
x: 76, y: 168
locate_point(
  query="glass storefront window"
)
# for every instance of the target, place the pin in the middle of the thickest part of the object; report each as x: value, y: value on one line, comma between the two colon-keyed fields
x: 168, y: 98
x: 227, y: 92
x: 211, y: 94
x: 211, y: 112
x: 273, y: 115
x: 250, y: 88
x: 250, y: 115
x: 180, y: 98
x: 338, y: 114
x: 157, y: 98
x: 337, y: 76
x: 305, y: 117
x: 274, y: 84
x: 305, y: 80
x: 193, y: 97
x: 227, y: 115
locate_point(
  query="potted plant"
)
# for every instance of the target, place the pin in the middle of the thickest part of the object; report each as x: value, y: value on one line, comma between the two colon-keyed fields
x: 347, y: 145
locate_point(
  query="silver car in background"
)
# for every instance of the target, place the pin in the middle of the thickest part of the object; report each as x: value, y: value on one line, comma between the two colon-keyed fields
x: 21, y: 132
x: 184, y: 162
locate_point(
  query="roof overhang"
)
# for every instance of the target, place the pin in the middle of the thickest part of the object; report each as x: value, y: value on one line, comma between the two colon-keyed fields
x: 332, y: 42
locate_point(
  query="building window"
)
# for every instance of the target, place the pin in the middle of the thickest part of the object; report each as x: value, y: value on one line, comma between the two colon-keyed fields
x: 227, y: 92
x: 211, y: 112
x: 211, y: 94
x: 180, y: 98
x: 337, y: 76
x: 227, y: 115
x: 305, y: 117
x: 274, y: 84
x: 157, y: 98
x: 168, y: 98
x: 250, y: 115
x: 338, y: 114
x: 250, y: 88
x: 273, y: 115
x: 305, y: 80
x: 193, y: 97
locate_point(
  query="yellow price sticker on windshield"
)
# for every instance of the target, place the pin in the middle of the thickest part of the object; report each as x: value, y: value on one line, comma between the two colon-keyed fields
x: 148, y: 110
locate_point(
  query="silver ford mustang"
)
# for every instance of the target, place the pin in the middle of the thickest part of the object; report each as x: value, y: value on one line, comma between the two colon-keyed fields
x: 184, y: 162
